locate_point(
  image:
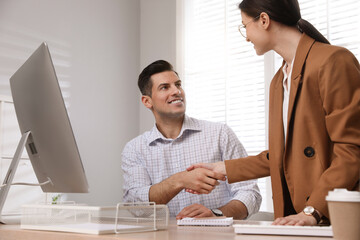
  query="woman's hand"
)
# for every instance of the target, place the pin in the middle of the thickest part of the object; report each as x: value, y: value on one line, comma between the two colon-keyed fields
x: 218, y: 167
x: 300, y: 219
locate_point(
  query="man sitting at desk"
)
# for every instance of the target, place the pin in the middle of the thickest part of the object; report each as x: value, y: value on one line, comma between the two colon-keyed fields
x: 154, y: 163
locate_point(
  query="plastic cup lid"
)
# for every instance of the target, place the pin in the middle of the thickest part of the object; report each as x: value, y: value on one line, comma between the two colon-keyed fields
x: 343, y: 195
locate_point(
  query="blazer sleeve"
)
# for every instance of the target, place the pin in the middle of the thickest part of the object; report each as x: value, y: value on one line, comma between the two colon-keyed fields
x: 339, y: 84
x: 247, y: 168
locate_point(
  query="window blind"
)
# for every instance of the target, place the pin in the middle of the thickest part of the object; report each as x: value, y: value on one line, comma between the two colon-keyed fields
x: 340, y: 24
x: 223, y: 77
x: 337, y: 20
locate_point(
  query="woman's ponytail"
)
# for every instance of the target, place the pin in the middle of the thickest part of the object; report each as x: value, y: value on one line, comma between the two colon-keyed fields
x: 307, y: 28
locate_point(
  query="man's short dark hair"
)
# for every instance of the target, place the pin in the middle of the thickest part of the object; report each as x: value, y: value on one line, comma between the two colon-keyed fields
x: 144, y: 81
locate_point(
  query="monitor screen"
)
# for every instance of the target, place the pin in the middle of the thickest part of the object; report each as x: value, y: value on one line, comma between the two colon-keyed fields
x: 40, y: 110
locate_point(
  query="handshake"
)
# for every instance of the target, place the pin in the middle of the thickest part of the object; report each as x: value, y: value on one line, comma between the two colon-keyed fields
x: 202, y: 178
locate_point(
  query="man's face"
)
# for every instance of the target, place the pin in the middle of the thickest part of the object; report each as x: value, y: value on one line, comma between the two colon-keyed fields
x: 168, y: 98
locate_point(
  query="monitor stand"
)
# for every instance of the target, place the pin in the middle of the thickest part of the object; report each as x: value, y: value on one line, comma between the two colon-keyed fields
x: 9, y: 178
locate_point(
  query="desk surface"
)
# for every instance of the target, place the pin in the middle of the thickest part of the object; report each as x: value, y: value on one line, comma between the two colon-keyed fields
x: 174, y: 232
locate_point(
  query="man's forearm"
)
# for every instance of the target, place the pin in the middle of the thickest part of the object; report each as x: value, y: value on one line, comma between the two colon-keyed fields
x: 235, y: 209
x: 163, y: 192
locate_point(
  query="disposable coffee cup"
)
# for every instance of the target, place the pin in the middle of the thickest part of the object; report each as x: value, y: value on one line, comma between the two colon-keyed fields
x: 344, y: 210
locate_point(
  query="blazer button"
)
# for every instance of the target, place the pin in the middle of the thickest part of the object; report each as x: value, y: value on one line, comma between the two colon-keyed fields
x: 309, y: 152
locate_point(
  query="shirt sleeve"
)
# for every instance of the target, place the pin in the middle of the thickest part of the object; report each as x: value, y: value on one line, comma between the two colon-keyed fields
x: 246, y: 191
x: 137, y: 181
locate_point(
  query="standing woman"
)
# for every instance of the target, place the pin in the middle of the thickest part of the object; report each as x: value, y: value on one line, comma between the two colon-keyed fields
x: 314, y: 114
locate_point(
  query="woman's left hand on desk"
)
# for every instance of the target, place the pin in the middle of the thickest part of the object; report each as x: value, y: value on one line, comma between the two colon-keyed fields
x: 299, y: 219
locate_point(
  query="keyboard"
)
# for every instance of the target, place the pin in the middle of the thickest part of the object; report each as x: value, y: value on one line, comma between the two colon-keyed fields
x: 265, y: 228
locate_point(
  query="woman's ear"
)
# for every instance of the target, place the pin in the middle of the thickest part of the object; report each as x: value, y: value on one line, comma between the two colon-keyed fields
x: 264, y: 20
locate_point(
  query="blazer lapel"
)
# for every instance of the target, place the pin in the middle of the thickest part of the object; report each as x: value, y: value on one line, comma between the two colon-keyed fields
x: 276, y: 127
x: 302, y: 52
x: 276, y: 141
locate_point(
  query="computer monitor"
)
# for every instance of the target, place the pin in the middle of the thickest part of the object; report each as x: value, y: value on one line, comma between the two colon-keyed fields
x: 45, y: 128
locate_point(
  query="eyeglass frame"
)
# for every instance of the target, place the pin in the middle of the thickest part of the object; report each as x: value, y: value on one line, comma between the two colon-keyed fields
x: 243, y: 26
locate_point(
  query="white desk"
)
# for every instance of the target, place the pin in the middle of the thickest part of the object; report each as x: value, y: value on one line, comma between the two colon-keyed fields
x: 174, y: 232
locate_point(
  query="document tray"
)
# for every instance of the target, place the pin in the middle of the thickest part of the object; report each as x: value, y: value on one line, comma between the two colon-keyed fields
x: 123, y: 218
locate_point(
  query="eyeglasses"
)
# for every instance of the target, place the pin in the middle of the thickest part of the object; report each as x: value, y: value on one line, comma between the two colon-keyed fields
x: 242, y: 27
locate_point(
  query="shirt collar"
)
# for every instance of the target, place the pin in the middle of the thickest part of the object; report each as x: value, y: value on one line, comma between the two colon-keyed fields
x: 284, y: 69
x: 189, y: 124
x: 288, y: 82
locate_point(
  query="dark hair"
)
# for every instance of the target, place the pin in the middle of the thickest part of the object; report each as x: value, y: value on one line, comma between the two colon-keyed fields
x: 144, y: 81
x: 284, y: 11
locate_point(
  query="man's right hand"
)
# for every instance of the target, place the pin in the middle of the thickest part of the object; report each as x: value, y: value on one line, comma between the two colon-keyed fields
x: 217, y: 168
x: 201, y: 180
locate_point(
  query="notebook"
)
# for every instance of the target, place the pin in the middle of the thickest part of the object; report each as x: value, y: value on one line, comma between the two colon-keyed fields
x: 209, y: 221
x: 265, y: 228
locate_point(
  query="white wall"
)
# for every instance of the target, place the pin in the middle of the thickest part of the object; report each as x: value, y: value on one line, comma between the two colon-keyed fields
x: 157, y: 41
x: 95, y: 48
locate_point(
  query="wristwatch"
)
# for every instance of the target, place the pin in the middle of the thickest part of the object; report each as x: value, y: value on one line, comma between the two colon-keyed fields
x: 217, y: 212
x: 311, y: 211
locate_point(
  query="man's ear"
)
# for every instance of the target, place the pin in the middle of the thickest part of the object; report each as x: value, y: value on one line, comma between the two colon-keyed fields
x: 264, y: 20
x: 146, y: 100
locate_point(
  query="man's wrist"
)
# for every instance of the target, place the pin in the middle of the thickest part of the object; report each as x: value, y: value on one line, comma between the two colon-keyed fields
x: 178, y: 180
x: 217, y: 212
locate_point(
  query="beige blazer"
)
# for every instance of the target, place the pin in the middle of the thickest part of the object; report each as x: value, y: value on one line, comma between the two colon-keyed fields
x: 322, y: 149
